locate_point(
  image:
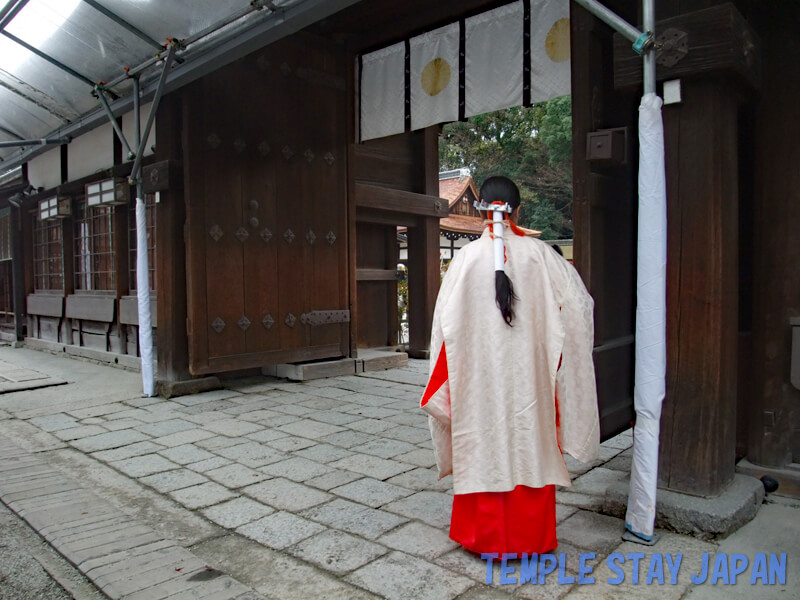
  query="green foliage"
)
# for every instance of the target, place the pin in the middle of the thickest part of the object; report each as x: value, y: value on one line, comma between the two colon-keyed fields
x: 532, y: 146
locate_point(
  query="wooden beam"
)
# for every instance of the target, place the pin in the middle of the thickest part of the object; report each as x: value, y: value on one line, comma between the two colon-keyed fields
x: 376, y: 275
x: 423, y: 254
x: 423, y: 284
x: 399, y: 201
x: 718, y: 39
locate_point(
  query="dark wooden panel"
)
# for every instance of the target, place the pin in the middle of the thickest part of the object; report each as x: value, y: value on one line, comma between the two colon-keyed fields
x: 719, y: 40
x: 604, y: 211
x: 401, y: 201
x: 369, y: 25
x: 222, y: 196
x: 164, y: 174
x: 48, y: 305
x: 773, y: 417
x: 374, y: 298
x: 616, y: 410
x: 388, y: 162
x: 275, y: 187
x: 262, y: 192
x: 129, y: 311
x: 260, y: 359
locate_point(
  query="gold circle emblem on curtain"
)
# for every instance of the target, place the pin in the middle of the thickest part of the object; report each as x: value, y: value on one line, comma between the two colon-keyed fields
x: 435, y: 76
x: 557, y: 42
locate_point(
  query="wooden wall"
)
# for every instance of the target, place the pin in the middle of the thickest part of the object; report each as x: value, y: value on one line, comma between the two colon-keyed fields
x: 773, y: 410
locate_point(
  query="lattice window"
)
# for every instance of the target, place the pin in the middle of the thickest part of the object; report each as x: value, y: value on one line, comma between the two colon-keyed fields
x: 94, y: 249
x: 48, y: 253
x: 150, y: 208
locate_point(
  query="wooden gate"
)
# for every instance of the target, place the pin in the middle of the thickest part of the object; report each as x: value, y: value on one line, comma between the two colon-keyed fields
x: 605, y: 201
x: 265, y: 169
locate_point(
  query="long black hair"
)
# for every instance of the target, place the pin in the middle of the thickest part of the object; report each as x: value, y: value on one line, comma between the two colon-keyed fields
x: 502, y: 189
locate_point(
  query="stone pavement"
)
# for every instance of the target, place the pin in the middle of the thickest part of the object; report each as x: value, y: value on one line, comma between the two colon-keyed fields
x: 322, y: 489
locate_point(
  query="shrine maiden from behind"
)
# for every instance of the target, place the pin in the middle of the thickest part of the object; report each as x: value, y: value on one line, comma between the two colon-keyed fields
x: 512, y: 382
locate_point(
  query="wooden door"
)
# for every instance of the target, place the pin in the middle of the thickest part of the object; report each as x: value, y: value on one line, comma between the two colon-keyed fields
x: 605, y: 203
x: 265, y: 162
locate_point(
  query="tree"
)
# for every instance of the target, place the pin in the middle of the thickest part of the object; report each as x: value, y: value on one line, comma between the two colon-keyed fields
x: 532, y: 146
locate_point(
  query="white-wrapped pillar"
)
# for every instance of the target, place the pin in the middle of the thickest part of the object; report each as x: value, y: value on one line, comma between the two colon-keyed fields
x: 651, y: 313
x: 143, y: 296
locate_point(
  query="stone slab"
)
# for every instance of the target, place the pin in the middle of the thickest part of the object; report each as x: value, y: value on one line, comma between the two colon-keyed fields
x: 399, y: 576
x: 280, y: 530
x: 237, y: 512
x: 354, y: 518
x: 706, y: 518
x: 315, y: 370
x: 337, y: 552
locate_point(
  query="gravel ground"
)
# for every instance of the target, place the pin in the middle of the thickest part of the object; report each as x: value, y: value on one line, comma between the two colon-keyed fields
x: 22, y: 575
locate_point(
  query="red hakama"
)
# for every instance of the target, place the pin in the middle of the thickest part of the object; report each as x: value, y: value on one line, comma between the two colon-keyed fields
x: 521, y: 521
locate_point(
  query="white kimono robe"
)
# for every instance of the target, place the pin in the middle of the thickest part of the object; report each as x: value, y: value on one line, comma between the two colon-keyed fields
x: 491, y: 396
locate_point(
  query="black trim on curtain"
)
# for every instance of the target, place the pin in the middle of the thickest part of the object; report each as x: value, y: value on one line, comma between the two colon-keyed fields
x: 408, y: 86
x: 360, y: 93
x: 462, y: 69
x: 526, y: 53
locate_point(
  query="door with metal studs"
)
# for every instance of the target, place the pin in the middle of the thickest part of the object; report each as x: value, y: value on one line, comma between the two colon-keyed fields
x: 264, y: 159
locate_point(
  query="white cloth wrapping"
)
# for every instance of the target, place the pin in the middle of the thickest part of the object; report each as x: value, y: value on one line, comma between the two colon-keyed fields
x: 550, y: 49
x: 651, y: 313
x: 493, y: 59
x: 143, y: 297
x: 493, y: 420
x: 434, y: 76
x: 382, y: 97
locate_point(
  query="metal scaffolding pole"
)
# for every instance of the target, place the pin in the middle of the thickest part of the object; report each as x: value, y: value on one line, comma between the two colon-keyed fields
x: 649, y: 24
x: 151, y: 117
x: 117, y: 129
x: 650, y: 338
x: 36, y: 142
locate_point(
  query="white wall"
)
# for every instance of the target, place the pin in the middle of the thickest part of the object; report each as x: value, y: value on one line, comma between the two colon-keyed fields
x: 91, y: 152
x: 45, y: 170
x: 128, y: 127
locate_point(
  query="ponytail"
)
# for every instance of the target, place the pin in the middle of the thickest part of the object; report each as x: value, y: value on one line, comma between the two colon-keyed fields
x: 504, y: 296
x: 501, y: 189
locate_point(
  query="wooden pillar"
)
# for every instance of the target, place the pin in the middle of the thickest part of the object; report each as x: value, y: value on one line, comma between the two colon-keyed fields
x: 698, y: 425
x: 171, y: 335
x: 423, y: 283
x: 423, y: 252
x: 721, y: 62
x: 773, y: 416
x: 19, y: 290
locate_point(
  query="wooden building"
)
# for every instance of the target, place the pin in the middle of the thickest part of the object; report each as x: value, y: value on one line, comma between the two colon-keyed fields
x: 273, y: 230
x: 463, y: 222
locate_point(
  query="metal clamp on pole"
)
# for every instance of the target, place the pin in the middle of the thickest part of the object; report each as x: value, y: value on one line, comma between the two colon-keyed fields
x: 642, y: 41
x: 484, y: 207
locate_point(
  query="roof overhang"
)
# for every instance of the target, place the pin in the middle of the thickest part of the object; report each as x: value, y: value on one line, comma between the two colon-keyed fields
x: 193, y: 62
